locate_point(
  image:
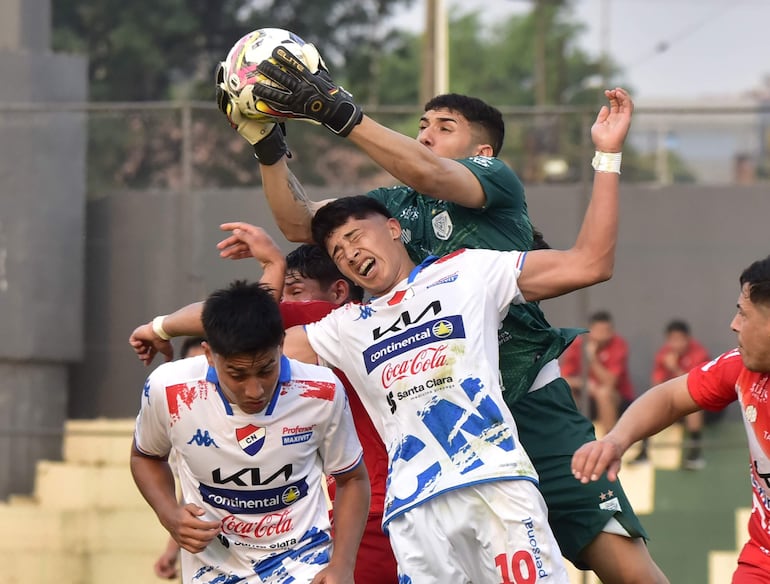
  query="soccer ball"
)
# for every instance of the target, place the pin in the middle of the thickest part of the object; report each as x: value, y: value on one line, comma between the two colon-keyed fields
x: 240, y: 67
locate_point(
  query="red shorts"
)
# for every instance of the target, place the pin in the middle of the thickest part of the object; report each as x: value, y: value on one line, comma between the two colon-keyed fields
x: 375, y: 563
x: 748, y: 574
x: 753, y: 565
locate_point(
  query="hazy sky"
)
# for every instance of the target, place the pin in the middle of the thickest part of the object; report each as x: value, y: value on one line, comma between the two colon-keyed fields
x: 715, y: 47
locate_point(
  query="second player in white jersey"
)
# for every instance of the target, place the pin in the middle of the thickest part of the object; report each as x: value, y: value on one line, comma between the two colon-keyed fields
x: 259, y: 475
x: 425, y: 359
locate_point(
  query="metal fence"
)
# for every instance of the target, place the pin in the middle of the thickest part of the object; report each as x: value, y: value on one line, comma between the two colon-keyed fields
x: 189, y: 145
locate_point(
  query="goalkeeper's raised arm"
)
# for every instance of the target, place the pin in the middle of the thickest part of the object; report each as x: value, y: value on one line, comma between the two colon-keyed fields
x: 315, y: 96
x: 428, y: 164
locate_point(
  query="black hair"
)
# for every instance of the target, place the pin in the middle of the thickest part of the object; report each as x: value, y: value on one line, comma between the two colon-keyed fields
x: 475, y: 111
x: 757, y: 276
x: 338, y: 212
x: 678, y: 326
x: 242, y: 319
x: 600, y: 316
x: 311, y: 261
x: 188, y: 344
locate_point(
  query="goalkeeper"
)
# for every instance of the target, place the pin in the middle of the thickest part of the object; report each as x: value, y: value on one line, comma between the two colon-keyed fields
x: 458, y: 194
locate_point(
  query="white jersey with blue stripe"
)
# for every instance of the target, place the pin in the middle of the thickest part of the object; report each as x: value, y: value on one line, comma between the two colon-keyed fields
x: 259, y: 475
x: 424, y: 360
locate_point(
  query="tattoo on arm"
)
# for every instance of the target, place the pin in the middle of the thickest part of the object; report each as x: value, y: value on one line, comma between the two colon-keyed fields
x: 299, y: 195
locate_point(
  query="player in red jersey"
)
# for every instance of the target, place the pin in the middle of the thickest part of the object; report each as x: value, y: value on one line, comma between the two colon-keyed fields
x: 608, y: 378
x: 679, y: 353
x: 742, y: 374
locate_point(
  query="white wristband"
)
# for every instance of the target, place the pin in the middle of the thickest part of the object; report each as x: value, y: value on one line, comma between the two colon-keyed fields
x: 607, y: 161
x: 157, y: 327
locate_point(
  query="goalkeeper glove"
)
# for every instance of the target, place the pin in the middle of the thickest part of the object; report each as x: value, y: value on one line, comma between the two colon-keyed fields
x: 306, y: 94
x: 267, y: 139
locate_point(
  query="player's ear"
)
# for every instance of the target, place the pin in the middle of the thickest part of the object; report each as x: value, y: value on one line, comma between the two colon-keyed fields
x: 485, y: 150
x: 395, y: 228
x: 340, y: 291
x: 208, y: 352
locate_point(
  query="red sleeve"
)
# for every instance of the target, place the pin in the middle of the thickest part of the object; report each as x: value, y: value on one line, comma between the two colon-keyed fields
x: 298, y: 313
x: 659, y: 371
x: 712, y: 385
x: 570, y: 361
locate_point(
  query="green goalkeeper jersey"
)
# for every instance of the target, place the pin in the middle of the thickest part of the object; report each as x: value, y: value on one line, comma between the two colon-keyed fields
x: 431, y: 226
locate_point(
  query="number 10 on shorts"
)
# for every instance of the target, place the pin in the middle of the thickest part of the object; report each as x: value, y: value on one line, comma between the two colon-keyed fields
x: 522, y: 568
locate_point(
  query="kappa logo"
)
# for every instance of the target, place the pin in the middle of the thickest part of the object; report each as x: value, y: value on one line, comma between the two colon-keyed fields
x: 203, y: 439
x: 251, y: 438
x: 364, y: 312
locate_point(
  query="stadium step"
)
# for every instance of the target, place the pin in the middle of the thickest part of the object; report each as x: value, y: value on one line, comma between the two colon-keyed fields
x: 86, y: 521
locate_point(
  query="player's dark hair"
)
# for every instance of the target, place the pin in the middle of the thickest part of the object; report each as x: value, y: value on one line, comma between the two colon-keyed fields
x: 242, y: 319
x: 757, y: 276
x: 678, y: 326
x: 312, y: 262
x: 189, y: 344
x: 338, y: 212
x: 475, y: 111
x: 600, y: 316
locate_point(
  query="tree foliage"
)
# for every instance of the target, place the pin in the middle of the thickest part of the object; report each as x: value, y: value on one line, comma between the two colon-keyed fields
x: 159, y: 49
x: 163, y: 49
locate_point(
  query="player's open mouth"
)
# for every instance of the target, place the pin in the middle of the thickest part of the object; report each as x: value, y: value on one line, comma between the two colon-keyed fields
x: 366, y: 267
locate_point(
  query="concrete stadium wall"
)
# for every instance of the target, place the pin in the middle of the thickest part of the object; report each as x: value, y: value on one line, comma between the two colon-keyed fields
x: 680, y: 252
x: 42, y: 223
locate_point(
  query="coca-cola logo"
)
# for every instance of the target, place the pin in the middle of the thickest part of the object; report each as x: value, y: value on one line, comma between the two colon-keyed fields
x: 269, y: 525
x: 424, y: 361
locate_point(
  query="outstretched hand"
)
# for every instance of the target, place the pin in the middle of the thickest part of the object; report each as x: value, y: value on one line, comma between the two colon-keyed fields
x: 248, y: 241
x: 591, y: 460
x: 613, y: 122
x: 146, y: 344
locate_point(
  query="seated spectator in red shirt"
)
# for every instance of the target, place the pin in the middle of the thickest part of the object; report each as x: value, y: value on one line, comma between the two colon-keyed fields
x: 679, y: 353
x: 607, y: 382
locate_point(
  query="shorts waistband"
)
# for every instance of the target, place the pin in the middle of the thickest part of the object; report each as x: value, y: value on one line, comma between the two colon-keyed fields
x: 550, y: 372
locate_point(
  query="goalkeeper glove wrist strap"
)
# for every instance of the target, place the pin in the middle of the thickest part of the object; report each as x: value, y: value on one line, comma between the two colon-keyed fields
x: 347, y: 116
x: 272, y: 148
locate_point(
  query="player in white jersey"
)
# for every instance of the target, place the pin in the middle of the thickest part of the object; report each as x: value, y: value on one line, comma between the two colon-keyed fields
x: 462, y: 502
x: 254, y: 432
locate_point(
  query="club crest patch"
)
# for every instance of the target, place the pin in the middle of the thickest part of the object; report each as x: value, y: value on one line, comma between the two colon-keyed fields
x: 250, y: 438
x: 442, y: 225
